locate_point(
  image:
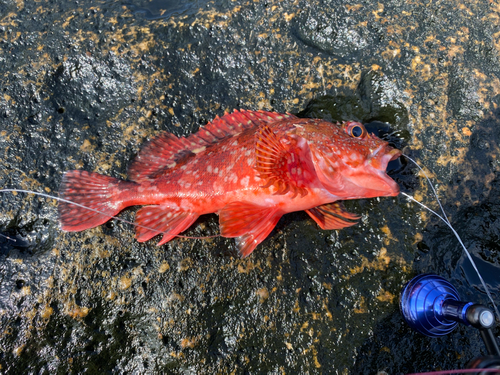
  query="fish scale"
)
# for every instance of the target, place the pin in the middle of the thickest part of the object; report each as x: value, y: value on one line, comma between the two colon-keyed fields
x: 249, y: 167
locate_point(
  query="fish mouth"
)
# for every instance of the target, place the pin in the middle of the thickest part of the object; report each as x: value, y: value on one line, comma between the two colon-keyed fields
x: 384, y: 185
x: 381, y: 162
x: 365, y: 180
x: 391, y: 156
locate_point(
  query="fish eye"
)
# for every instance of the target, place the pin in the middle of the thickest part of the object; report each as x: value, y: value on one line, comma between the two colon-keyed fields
x: 355, y: 130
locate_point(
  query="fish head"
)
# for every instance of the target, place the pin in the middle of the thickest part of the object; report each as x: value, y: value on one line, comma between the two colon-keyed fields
x: 349, y: 162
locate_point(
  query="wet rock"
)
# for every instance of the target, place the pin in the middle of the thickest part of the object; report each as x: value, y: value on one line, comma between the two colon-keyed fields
x: 464, y: 96
x: 7, y: 6
x: 86, y: 85
x: 335, y: 33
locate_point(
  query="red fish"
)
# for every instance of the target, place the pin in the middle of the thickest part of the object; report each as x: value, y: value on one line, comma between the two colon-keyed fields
x: 249, y: 167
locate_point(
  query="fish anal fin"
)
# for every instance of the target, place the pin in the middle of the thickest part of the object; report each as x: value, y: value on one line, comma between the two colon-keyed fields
x: 332, y: 216
x: 250, y: 223
x: 280, y: 164
x: 154, y: 220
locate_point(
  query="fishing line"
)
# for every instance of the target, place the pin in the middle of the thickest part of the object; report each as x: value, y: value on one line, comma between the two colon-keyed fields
x: 99, y: 212
x: 444, y: 218
x: 9, y: 238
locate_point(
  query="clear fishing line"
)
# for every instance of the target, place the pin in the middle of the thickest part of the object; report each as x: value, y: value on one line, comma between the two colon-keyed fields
x: 99, y: 212
x: 444, y: 218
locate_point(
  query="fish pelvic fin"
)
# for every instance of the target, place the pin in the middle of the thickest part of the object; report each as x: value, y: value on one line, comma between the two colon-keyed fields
x: 167, y: 151
x: 97, y: 199
x: 332, y: 216
x: 280, y: 164
x: 154, y: 220
x: 249, y: 223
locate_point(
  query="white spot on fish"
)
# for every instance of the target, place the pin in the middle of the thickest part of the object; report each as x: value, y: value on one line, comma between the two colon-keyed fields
x: 244, y: 181
x: 198, y: 150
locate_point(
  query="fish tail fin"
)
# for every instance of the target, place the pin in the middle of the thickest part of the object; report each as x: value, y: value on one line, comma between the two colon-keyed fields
x: 97, y: 199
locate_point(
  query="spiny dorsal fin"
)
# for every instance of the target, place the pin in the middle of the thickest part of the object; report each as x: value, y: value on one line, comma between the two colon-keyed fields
x: 166, y: 150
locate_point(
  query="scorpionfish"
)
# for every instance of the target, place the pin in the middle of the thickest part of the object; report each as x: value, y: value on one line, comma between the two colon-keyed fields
x: 249, y: 167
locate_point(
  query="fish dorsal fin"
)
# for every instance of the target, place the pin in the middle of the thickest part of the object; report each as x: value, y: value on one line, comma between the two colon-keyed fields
x: 280, y: 164
x: 166, y: 150
x: 233, y: 123
x: 156, y: 156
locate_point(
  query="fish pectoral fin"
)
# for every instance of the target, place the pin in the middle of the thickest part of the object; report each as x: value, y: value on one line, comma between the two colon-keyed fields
x: 154, y: 220
x: 332, y: 216
x: 279, y: 165
x: 250, y: 223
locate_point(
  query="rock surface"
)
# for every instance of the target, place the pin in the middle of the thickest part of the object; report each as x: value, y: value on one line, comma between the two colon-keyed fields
x: 84, y: 84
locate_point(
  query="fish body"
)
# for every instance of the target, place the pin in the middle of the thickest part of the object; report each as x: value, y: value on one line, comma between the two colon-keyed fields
x: 249, y: 167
